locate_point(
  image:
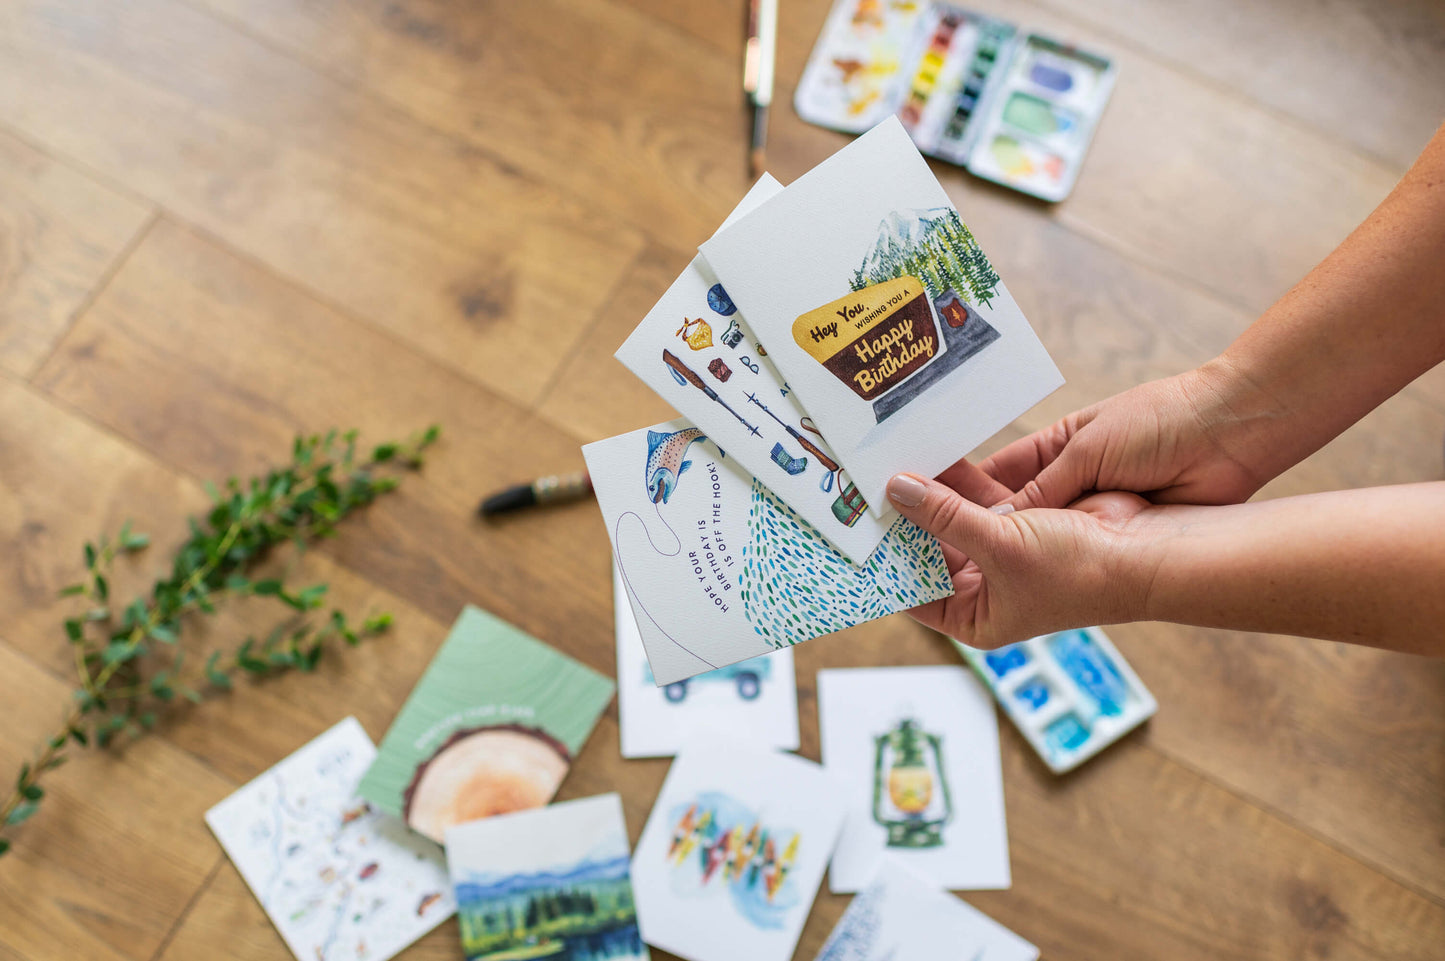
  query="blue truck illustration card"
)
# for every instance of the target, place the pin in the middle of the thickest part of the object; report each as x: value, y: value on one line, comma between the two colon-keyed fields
x: 756, y: 699
x: 718, y: 569
x: 880, y: 309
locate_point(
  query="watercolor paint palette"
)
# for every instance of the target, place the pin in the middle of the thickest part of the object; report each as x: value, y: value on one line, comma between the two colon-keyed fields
x: 1071, y: 694
x: 1018, y: 109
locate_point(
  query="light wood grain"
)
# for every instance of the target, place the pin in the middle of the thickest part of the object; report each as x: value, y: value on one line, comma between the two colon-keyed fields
x: 60, y: 232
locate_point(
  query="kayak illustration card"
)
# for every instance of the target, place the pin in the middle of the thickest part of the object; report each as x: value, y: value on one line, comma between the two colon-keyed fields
x: 338, y: 879
x: 756, y: 699
x: 722, y: 380
x: 553, y: 882
x: 915, y: 751
x: 733, y: 852
x: 491, y: 727
x: 882, y: 312
x: 718, y: 569
x: 900, y: 916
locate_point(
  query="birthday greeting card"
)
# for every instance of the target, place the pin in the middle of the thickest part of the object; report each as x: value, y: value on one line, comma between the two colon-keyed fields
x: 339, y: 879
x: 733, y: 852
x: 696, y: 350
x: 882, y: 312
x: 492, y: 727
x: 718, y: 569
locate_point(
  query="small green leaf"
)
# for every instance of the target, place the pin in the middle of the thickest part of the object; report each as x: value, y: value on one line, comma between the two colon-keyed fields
x: 74, y: 630
x: 267, y: 588
x: 377, y: 623
x: 78, y: 736
x: 102, y: 588
x: 22, y: 813
x: 4, y: 846
x: 55, y: 762
x: 89, y: 555
x: 148, y: 720
x: 24, y: 774
x: 97, y: 614
x: 118, y: 652
x: 136, y: 542
x: 383, y: 453
x: 70, y: 590
x: 237, y: 583
x: 56, y: 742
x: 191, y: 694
x: 163, y: 633
x: 33, y: 792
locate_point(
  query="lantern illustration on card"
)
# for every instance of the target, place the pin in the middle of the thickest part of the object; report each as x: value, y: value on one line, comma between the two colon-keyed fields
x: 910, y: 791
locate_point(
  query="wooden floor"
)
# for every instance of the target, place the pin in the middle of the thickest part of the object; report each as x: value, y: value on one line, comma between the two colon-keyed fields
x: 226, y: 221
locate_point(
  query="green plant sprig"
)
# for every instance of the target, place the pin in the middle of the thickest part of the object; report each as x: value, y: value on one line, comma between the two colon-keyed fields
x: 130, y: 660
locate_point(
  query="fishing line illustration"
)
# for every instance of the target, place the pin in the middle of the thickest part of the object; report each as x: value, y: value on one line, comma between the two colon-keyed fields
x: 684, y: 374
x: 826, y: 484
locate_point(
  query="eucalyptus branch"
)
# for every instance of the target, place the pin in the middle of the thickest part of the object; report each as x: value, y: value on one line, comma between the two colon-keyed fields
x: 130, y: 661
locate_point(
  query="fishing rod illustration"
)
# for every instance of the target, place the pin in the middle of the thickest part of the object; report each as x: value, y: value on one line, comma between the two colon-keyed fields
x: 685, y: 374
x: 808, y: 445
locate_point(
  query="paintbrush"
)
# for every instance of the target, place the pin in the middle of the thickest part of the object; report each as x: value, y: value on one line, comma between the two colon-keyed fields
x: 758, y: 74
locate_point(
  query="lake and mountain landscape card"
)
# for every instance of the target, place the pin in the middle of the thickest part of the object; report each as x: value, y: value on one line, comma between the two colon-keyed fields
x: 880, y: 309
x: 900, y: 916
x: 492, y: 727
x: 915, y: 753
x: 719, y: 569
x: 733, y: 852
x: 551, y: 883
x: 697, y: 351
x: 340, y: 880
x: 756, y: 699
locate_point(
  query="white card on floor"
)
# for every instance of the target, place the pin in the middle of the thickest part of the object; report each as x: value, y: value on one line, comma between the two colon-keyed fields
x: 733, y: 852
x: 915, y: 752
x: 899, y: 916
x: 881, y: 311
x: 337, y: 878
x: 697, y: 351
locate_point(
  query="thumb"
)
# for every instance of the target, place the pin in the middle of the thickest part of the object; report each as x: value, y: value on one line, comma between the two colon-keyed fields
x: 1057, y: 485
x: 973, y: 530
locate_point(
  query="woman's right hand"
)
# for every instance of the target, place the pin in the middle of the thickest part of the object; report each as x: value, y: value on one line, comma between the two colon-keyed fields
x: 1194, y: 438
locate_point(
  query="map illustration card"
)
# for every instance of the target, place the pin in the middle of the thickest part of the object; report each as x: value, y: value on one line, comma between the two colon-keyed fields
x: 338, y: 879
x: 915, y: 753
x: 880, y: 309
x: 552, y: 882
x: 899, y: 916
x: 697, y: 351
x: 733, y: 852
x: 491, y: 727
x: 718, y: 569
x: 756, y: 699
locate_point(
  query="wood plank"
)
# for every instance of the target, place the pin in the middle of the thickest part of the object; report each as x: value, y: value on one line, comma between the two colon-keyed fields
x: 258, y: 361
x: 1363, y: 71
x: 60, y: 232
x: 594, y: 97
x: 108, y: 863
x: 463, y: 256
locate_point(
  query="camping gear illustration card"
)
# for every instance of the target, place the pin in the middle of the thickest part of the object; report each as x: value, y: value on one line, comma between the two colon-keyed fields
x: 697, y: 351
x: 756, y: 699
x: 733, y: 852
x: 882, y: 312
x: 915, y: 751
x: 1070, y: 694
x: 338, y: 879
x: 900, y: 916
x: 718, y: 569
x: 552, y: 882
x: 491, y: 727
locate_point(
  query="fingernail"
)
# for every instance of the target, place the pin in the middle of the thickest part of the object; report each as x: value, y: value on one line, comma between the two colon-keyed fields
x: 906, y: 491
x: 1002, y: 509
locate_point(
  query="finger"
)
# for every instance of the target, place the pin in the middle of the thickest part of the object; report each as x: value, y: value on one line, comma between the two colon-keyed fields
x: 973, y: 530
x: 1020, y: 462
x: 1059, y: 484
x: 974, y: 484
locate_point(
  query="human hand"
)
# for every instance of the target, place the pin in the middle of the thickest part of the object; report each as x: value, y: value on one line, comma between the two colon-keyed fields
x: 1021, y: 573
x: 1183, y: 439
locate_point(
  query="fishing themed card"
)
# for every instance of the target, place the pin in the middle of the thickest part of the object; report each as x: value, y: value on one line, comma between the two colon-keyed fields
x: 756, y: 699
x: 339, y: 879
x: 1013, y: 107
x: 882, y: 312
x: 1070, y: 694
x: 491, y: 727
x: 915, y: 753
x: 719, y: 569
x: 696, y: 350
x: 733, y: 852
x: 552, y: 882
x: 900, y: 916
